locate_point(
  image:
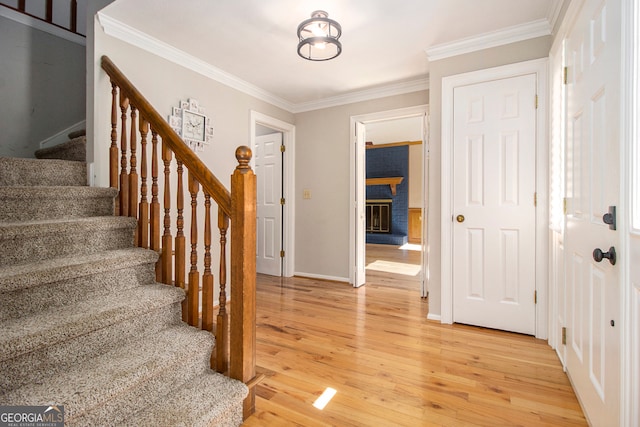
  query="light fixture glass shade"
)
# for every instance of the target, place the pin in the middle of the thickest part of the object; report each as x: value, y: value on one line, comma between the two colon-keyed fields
x: 319, y: 37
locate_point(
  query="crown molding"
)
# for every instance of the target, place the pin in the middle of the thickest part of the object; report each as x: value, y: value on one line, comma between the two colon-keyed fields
x: 538, y: 28
x: 364, y: 95
x: 41, y: 25
x: 554, y: 13
x: 130, y: 35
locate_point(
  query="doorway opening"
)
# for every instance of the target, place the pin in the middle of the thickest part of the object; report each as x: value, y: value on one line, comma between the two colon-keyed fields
x: 388, y: 186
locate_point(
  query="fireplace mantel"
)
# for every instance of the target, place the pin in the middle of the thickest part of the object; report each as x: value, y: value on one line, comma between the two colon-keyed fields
x: 390, y: 181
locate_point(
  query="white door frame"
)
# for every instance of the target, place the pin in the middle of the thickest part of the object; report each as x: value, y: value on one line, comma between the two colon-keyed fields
x: 629, y: 218
x: 355, y: 181
x: 288, y: 140
x: 538, y: 67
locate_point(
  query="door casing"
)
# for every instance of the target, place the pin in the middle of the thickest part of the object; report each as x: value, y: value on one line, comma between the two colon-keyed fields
x: 356, y: 181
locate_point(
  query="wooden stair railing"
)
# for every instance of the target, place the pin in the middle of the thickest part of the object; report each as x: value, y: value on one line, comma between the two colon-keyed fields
x: 44, y: 11
x: 235, y: 330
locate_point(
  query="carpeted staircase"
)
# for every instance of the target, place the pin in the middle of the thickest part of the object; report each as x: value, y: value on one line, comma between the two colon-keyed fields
x: 82, y: 322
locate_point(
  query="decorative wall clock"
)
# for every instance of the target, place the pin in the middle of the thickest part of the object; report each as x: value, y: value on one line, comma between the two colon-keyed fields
x: 190, y: 122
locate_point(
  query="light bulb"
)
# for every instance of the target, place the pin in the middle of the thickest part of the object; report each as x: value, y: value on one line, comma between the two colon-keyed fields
x: 318, y: 30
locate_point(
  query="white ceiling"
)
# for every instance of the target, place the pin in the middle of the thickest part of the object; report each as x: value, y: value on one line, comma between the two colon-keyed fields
x: 385, y: 42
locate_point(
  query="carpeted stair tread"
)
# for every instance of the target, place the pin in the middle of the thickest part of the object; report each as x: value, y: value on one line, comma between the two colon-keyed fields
x: 77, y: 133
x: 20, y: 336
x: 74, y: 150
x: 32, y: 288
x: 33, y: 241
x: 211, y: 399
x: 35, y: 172
x: 14, y: 277
x: 112, y: 385
x: 28, y: 368
x: 38, y: 203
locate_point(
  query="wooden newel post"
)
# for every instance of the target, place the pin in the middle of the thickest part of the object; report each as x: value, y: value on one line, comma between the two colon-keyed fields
x: 243, y: 275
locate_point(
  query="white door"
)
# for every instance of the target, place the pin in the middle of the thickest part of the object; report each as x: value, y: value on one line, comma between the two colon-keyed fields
x: 494, y: 152
x: 268, y: 164
x: 359, y: 205
x: 592, y: 185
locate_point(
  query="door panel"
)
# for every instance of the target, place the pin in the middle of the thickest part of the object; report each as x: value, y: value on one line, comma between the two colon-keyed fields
x: 268, y: 163
x: 592, y: 177
x: 493, y: 203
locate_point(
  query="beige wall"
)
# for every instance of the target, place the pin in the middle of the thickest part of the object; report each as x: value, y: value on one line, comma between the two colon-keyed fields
x: 503, y: 55
x: 322, y: 142
x: 165, y: 83
x: 322, y: 166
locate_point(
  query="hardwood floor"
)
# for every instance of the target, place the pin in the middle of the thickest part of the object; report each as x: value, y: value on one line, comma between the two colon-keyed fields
x: 389, y: 365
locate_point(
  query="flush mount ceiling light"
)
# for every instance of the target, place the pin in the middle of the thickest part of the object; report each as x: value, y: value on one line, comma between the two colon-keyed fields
x: 319, y: 37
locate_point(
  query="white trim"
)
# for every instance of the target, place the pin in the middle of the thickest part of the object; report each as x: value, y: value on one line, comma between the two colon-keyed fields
x: 288, y: 178
x: 435, y: 317
x: 364, y: 95
x: 540, y: 68
x: 508, y: 35
x: 354, y: 182
x: 553, y: 13
x: 128, y: 34
x: 38, y: 24
x: 321, y: 277
x: 567, y: 22
x: 630, y: 165
x: 63, y: 135
x: 124, y: 32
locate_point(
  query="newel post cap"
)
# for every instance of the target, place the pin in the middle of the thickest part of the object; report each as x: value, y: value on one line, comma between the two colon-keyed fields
x: 243, y: 155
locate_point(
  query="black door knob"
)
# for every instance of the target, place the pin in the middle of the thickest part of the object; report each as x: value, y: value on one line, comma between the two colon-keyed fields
x: 598, y: 255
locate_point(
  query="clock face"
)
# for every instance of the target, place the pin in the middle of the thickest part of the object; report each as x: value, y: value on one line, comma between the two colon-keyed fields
x: 193, y: 126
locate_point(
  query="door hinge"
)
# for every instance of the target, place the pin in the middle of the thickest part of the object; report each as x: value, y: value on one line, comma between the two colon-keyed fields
x: 282, y: 201
x: 564, y: 335
x: 536, y: 101
x: 535, y: 297
x: 565, y: 75
x: 564, y: 205
x: 283, y: 148
x: 535, y: 199
x: 281, y: 254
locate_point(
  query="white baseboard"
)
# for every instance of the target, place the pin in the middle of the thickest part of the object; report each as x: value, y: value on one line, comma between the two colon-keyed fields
x: 435, y: 317
x: 62, y: 136
x: 321, y: 277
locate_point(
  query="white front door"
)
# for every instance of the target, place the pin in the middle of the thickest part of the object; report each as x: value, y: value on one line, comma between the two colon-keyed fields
x: 592, y: 166
x: 268, y: 165
x: 494, y: 213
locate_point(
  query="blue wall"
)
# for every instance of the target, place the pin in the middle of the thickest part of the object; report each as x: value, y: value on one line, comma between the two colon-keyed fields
x: 384, y: 163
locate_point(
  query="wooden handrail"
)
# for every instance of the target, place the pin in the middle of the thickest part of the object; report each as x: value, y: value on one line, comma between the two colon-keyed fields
x: 129, y: 172
x: 46, y: 9
x: 191, y: 161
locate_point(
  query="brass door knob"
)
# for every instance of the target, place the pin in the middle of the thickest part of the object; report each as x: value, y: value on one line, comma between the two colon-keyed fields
x: 460, y: 218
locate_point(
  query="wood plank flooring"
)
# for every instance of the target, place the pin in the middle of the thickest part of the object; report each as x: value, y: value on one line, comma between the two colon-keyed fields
x: 389, y: 365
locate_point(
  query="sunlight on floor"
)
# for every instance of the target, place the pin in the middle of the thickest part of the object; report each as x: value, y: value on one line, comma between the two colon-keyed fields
x: 324, y: 398
x: 394, y: 267
x: 411, y: 247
